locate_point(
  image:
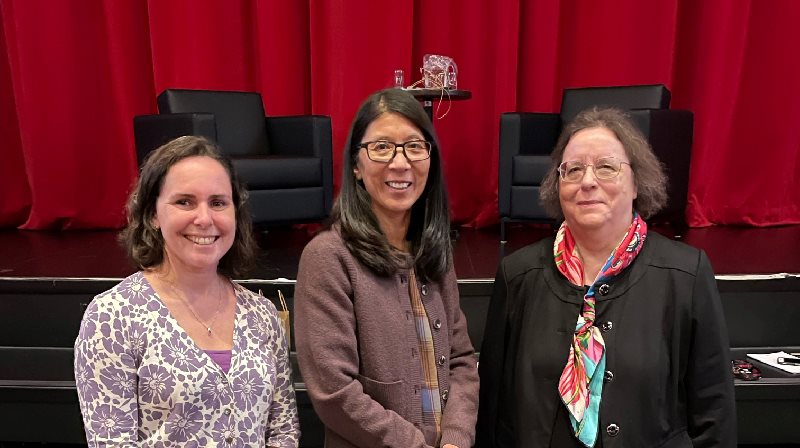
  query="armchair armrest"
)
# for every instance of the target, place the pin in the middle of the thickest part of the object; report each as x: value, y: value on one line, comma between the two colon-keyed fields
x: 152, y: 131
x: 305, y: 136
x: 670, y: 135
x: 522, y: 133
x: 299, y: 135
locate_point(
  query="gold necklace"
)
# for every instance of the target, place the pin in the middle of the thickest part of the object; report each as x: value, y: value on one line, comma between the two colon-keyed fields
x: 182, y: 298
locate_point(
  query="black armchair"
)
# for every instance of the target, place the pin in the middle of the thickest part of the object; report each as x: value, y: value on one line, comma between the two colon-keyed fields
x: 526, y: 140
x: 285, y: 162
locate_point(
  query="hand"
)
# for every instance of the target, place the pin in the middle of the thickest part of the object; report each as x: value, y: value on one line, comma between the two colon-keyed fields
x: 449, y: 445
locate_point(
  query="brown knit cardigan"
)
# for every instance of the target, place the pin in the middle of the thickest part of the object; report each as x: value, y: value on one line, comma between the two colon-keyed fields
x: 357, y: 349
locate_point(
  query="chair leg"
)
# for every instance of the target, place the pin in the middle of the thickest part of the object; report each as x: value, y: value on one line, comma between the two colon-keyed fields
x: 679, y: 224
x: 454, y: 235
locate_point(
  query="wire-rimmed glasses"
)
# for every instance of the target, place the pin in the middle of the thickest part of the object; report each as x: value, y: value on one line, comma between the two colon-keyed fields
x: 605, y: 168
x: 384, y: 151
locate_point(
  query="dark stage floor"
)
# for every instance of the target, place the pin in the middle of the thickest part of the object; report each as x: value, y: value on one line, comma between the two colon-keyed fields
x: 47, y: 278
x: 96, y: 254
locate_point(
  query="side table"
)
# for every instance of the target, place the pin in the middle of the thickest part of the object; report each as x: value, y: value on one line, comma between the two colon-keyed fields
x: 428, y: 96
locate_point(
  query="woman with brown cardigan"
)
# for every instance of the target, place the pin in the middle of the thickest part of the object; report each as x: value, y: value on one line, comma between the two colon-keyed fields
x: 381, y: 340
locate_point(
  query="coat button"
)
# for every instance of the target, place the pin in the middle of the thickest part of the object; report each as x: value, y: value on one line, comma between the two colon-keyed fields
x: 605, y: 327
x: 437, y: 324
x: 228, y: 411
x: 424, y: 290
x: 608, y: 376
x: 605, y: 288
x: 612, y: 430
x: 229, y: 439
x: 442, y: 359
x: 444, y: 394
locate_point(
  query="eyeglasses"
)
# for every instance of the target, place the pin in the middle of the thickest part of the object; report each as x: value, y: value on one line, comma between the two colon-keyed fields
x: 384, y: 151
x: 605, y: 168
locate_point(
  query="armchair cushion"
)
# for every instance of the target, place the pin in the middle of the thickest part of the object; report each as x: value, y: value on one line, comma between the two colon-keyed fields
x: 239, y: 116
x: 288, y: 205
x: 624, y: 97
x: 152, y: 131
x: 299, y: 135
x: 273, y: 172
x: 525, y: 203
x: 529, y: 170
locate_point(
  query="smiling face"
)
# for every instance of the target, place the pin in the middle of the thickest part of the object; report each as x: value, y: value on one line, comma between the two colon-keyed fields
x: 196, y: 214
x: 597, y: 205
x: 395, y: 186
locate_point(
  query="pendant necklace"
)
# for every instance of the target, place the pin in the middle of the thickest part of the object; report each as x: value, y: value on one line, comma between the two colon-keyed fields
x: 208, y: 326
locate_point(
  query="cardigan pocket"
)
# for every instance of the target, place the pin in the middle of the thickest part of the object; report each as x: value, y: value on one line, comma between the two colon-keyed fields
x: 391, y: 396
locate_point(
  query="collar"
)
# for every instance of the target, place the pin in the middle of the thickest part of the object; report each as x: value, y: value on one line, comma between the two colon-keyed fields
x: 619, y: 285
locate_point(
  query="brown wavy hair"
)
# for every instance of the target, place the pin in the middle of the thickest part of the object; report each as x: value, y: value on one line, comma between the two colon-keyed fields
x: 144, y: 243
x: 648, y: 173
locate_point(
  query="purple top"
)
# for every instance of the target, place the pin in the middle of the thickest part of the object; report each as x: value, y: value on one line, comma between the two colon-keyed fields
x: 221, y: 357
x: 142, y: 381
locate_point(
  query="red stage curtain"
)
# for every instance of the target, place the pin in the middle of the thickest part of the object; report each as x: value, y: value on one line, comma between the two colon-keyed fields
x: 74, y: 74
x: 15, y: 198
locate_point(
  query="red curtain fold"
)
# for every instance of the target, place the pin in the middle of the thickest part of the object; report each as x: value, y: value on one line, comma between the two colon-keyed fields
x: 16, y: 197
x: 74, y: 74
x: 69, y: 97
x: 355, y: 48
x: 738, y: 72
x: 483, y: 39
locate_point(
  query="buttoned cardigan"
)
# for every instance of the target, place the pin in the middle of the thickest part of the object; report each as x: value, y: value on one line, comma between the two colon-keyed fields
x: 358, y: 351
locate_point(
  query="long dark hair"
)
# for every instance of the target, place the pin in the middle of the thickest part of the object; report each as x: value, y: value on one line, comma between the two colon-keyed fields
x: 144, y: 243
x: 429, y: 227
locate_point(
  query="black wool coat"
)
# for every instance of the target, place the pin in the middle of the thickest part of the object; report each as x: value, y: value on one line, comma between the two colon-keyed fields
x: 668, y: 375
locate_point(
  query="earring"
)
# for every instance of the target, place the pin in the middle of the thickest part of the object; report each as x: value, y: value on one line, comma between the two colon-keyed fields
x: 357, y: 174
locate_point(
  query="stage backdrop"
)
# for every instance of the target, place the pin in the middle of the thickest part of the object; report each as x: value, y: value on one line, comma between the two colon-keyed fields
x: 73, y: 74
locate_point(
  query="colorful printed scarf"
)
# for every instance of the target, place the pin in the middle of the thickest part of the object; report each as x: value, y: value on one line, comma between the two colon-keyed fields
x: 581, y: 383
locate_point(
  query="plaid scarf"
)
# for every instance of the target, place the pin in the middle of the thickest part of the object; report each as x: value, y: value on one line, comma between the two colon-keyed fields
x: 431, y: 403
x: 581, y: 383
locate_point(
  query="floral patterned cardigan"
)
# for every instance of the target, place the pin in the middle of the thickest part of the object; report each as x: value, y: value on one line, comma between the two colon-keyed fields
x: 142, y: 381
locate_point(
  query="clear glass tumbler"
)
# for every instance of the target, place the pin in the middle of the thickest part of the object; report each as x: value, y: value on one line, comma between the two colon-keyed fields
x: 399, y: 79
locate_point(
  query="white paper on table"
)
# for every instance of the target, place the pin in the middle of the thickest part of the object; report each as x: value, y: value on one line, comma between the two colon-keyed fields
x: 772, y: 360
